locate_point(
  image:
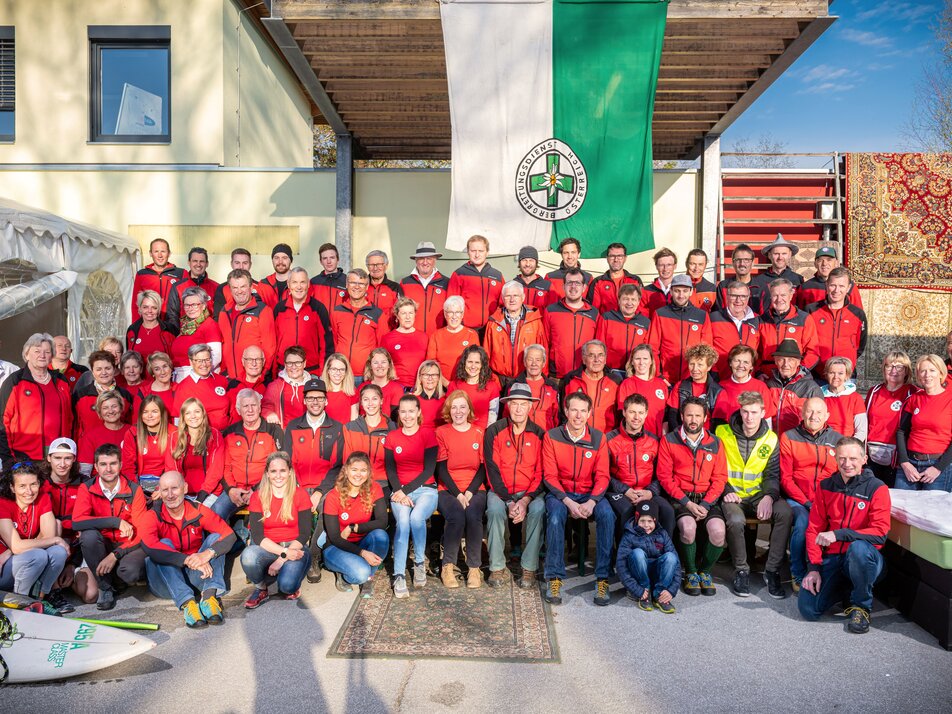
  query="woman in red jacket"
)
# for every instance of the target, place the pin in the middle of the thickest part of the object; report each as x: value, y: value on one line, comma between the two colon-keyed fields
x: 366, y: 433
x: 474, y: 377
x: 461, y: 475
x: 131, y: 374
x: 379, y: 370
x: 341, y: 393
x: 196, y: 327
x: 199, y: 452
x: 844, y: 402
x: 429, y: 389
x: 741, y: 360
x: 924, y: 438
x: 642, y: 379
x: 110, y: 407
x: 147, y: 445
x: 149, y: 334
x: 159, y: 368
x: 102, y: 368
x: 283, y: 399
x: 406, y: 344
x: 884, y: 404
x: 447, y: 343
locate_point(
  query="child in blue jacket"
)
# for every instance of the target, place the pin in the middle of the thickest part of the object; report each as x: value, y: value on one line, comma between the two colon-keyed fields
x: 648, y: 564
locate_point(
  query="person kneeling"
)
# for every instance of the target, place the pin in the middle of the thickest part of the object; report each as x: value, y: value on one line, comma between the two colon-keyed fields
x: 280, y: 522
x: 186, y: 544
x: 647, y: 562
x: 355, y: 525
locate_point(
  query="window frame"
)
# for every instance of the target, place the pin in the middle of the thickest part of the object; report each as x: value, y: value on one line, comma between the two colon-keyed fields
x: 8, y: 33
x: 125, y: 37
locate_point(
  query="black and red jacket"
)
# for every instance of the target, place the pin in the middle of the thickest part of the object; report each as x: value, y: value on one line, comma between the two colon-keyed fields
x: 654, y: 297
x: 84, y: 408
x: 814, y: 290
x: 357, y: 332
x: 246, y: 453
x: 789, y: 396
x: 429, y: 300
x: 72, y: 373
x: 839, y: 333
x: 316, y: 455
x: 63, y: 499
x: 720, y: 302
x: 577, y: 467
x: 632, y: 459
x: 603, y: 393
x: 763, y: 280
x: 224, y: 301
x: 186, y: 535
x: 673, y: 330
x: 568, y: 329
x: 603, y: 290
x: 539, y: 292
x: 683, y: 470
x: 481, y: 289
x: 711, y: 393
x: 805, y: 460
x: 145, y: 342
x: 358, y: 436
x: 857, y: 510
x: 93, y: 511
x: 173, y: 307
x: 796, y: 325
x: 385, y: 295
x: 545, y: 412
x: 308, y: 327
x: 557, y: 281
x: 329, y: 288
x: 161, y: 281
x: 621, y: 336
x: 704, y: 295
x: 280, y: 287
x: 252, y: 325
x: 726, y: 335
x: 513, y: 461
x: 24, y: 409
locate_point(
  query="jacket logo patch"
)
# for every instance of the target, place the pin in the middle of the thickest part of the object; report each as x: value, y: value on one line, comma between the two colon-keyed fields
x: 528, y: 444
x: 607, y: 286
x: 540, y: 293
x: 366, y: 321
x: 220, y: 391
x: 340, y: 293
x: 438, y: 291
x: 396, y: 347
x: 822, y: 320
x: 896, y: 406
x: 493, y: 283
x: 659, y: 394
x: 709, y: 457
x: 138, y: 340
x: 861, y: 505
x: 791, y: 329
x: 753, y: 330
x: 306, y: 318
x: 399, y: 450
x: 476, y: 447
x: 694, y: 328
x: 764, y: 451
x: 588, y: 454
x: 833, y: 452
x: 498, y: 328
x: 645, y: 457
x: 640, y: 331
x: 72, y: 379
x: 301, y: 439
x: 465, y: 343
x: 28, y: 392
x: 345, y: 516
x: 916, y: 411
x: 248, y: 319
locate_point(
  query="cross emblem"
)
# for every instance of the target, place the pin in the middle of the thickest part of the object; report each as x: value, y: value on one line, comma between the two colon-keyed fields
x: 552, y: 181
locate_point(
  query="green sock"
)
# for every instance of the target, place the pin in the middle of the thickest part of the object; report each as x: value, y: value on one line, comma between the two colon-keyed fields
x: 711, y: 554
x: 688, y: 556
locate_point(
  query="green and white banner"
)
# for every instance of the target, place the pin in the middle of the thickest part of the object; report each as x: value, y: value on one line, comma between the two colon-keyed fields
x: 551, y: 104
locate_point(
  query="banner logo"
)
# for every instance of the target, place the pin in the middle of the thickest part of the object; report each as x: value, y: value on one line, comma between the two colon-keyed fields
x: 551, y: 182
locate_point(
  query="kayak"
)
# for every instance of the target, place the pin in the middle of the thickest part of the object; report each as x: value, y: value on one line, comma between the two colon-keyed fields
x: 36, y: 648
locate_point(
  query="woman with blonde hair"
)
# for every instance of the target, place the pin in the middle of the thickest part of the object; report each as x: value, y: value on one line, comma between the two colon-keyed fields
x: 280, y: 521
x: 642, y: 369
x: 429, y: 390
x: 110, y: 407
x: 342, y: 395
x: 924, y: 437
x: 406, y: 344
x: 150, y: 334
x: 379, y: 370
x: 147, y: 444
x: 199, y: 451
x: 884, y: 404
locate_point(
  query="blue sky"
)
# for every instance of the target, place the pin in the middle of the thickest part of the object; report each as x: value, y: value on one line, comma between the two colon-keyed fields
x: 852, y: 89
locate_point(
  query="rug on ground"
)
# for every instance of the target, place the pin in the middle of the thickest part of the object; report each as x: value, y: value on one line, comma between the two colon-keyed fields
x: 501, y: 624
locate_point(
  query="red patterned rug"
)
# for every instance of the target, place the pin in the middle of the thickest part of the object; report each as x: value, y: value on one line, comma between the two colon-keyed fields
x: 899, y: 220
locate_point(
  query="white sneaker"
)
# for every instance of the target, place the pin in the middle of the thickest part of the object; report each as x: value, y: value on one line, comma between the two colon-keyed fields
x: 419, y: 574
x: 400, y: 589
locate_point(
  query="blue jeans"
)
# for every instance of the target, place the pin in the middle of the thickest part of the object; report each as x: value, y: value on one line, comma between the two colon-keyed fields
x: 44, y: 565
x: 226, y: 508
x: 412, y: 521
x: 556, y: 516
x: 170, y: 582
x: 942, y: 483
x: 798, y: 540
x: 255, y: 561
x: 353, y: 567
x: 661, y: 571
x: 856, y: 570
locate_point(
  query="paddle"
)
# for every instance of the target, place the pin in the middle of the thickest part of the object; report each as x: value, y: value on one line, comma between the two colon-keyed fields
x: 152, y: 627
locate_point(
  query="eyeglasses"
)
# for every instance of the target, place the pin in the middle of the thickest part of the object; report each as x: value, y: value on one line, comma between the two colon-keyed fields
x: 896, y: 367
x: 193, y: 304
x: 295, y: 363
x: 376, y: 265
x: 574, y: 284
x: 738, y: 297
x: 318, y: 398
x: 202, y: 360
x: 336, y: 369
x: 430, y: 375
x: 260, y: 359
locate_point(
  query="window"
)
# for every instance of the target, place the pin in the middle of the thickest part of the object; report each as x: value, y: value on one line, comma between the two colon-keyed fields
x: 7, y: 85
x: 129, y: 84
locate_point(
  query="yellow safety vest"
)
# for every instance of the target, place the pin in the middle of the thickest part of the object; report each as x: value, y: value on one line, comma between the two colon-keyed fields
x: 746, y: 478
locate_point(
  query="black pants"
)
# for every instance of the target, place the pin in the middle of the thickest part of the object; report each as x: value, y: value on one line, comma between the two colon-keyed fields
x: 130, y: 568
x: 457, y: 519
x: 886, y: 474
x: 625, y: 509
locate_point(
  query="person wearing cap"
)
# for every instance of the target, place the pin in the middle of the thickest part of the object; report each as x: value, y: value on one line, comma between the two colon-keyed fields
x: 478, y: 283
x: 302, y: 321
x: 676, y: 327
x: 623, y: 328
x: 382, y: 292
x: 600, y: 385
x: 570, y: 250
x: 281, y: 259
x: 539, y: 291
x: 316, y: 445
x: 782, y: 321
x: 241, y: 260
x: 790, y: 385
x: 705, y: 292
x: 160, y: 276
x: 249, y: 321
x: 779, y: 253
x: 427, y: 288
x: 511, y: 329
x: 647, y: 562
x: 196, y: 277
x: 569, y: 323
x: 656, y: 293
x: 734, y: 324
x: 603, y: 290
x: 814, y: 289
x: 841, y: 327
x: 512, y: 448
x: 742, y: 260
x: 329, y: 286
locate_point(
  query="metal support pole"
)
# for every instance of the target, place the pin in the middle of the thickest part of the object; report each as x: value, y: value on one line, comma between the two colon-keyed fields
x: 343, y: 223
x: 711, y: 200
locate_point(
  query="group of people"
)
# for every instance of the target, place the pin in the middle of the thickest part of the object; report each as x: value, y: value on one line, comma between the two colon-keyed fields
x: 308, y: 423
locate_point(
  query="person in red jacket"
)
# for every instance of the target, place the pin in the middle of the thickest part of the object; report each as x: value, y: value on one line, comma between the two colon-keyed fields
x: 807, y: 456
x: 103, y: 370
x: 382, y: 292
x: 699, y: 383
x: 732, y: 325
x: 677, y: 326
x: 209, y: 388
x: 281, y: 258
x: 705, y: 292
x: 884, y: 404
x: 199, y: 451
x: 603, y: 290
x: 790, y: 384
x: 302, y: 321
x: 248, y: 322
x: 841, y: 326
x: 924, y: 437
x: 186, y: 546
x: 570, y: 250
x: 623, y: 328
x: 511, y: 329
x: 846, y: 405
x: 147, y: 445
x: 427, y: 288
x: 848, y: 525
x: 149, y: 334
x: 107, y: 511
x: 782, y: 321
x: 814, y: 289
x: 742, y: 260
x: 283, y: 398
x: 380, y: 372
x: 35, y: 405
x: 241, y: 260
x: 544, y: 410
x: 692, y: 470
x: 600, y: 386
x: 446, y: 344
x: 657, y: 292
x: 740, y: 379
x: 366, y: 433
x: 569, y: 323
x: 575, y: 468
x: 196, y: 277
x: 406, y: 344
x: 197, y: 327
x: 329, y: 286
x: 357, y: 325
x: 110, y: 406
x: 539, y: 292
x: 643, y: 379
x: 478, y: 283
x: 62, y: 361
x: 512, y: 448
x: 474, y: 377
x: 160, y: 275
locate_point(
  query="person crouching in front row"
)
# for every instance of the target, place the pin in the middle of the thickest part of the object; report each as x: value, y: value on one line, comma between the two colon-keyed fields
x: 647, y: 562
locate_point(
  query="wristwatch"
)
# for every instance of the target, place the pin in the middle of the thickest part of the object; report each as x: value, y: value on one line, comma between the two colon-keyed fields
x: 284, y: 554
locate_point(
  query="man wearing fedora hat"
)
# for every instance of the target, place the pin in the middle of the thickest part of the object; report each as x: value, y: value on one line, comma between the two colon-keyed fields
x: 791, y: 385
x: 814, y: 289
x: 779, y: 254
x: 427, y: 288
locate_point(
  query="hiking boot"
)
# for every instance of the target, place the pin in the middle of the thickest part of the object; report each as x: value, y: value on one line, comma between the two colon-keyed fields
x: 741, y: 583
x: 552, y: 593
x: 691, y: 584
x: 666, y: 607
x: 419, y: 574
x: 106, y: 600
x: 774, y: 586
x: 858, y: 622
x: 341, y: 584
x: 193, y: 615
x: 602, y: 596
x: 59, y: 601
x: 528, y: 579
x: 707, y: 584
x: 448, y: 576
x: 314, y: 572
x: 293, y: 596
x: 644, y: 604
x: 257, y: 598
x: 367, y: 589
x: 474, y: 578
x: 795, y: 584
x: 400, y: 589
x: 50, y: 609
x: 211, y: 610
x: 498, y: 578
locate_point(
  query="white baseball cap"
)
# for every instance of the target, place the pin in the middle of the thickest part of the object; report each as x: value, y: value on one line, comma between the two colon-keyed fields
x: 63, y: 444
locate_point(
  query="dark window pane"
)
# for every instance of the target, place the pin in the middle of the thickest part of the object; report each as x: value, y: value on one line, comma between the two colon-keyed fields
x: 6, y: 125
x: 135, y: 91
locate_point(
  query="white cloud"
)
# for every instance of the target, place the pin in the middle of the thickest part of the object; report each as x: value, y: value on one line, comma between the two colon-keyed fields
x: 862, y: 37
x: 902, y: 11
x: 824, y: 72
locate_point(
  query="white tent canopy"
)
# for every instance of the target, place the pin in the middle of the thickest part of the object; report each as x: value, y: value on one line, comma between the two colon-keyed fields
x: 95, y: 268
